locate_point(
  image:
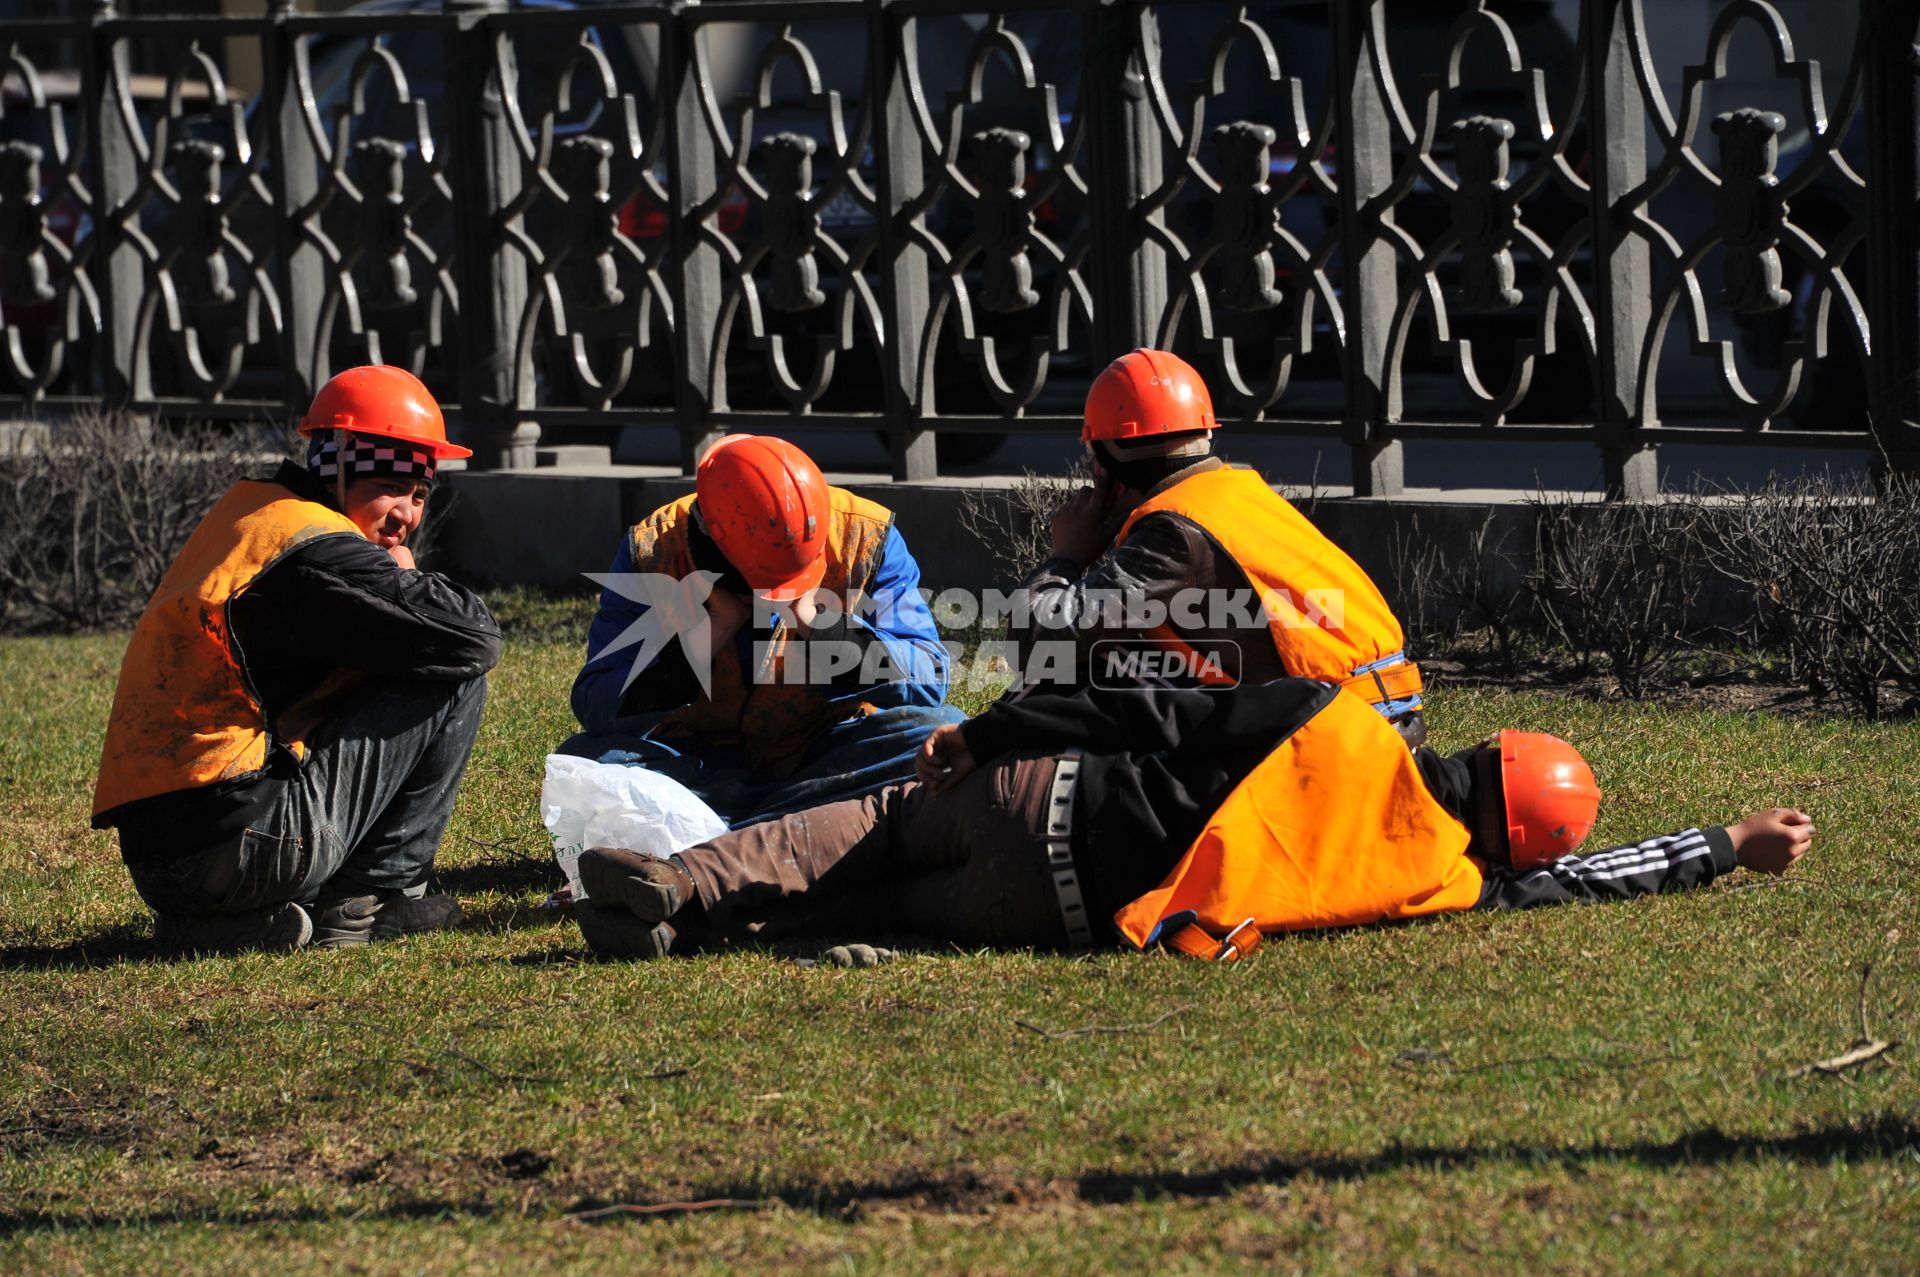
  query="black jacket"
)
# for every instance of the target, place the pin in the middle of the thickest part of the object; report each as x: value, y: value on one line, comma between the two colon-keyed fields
x: 1158, y: 762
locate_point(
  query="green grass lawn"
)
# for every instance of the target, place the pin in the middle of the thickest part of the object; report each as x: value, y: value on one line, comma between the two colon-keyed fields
x: 1582, y: 1090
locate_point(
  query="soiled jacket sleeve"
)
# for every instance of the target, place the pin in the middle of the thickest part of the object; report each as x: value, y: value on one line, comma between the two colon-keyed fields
x: 914, y: 666
x: 342, y: 602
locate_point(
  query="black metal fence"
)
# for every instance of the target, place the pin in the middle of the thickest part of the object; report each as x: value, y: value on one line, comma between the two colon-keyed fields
x: 1371, y: 220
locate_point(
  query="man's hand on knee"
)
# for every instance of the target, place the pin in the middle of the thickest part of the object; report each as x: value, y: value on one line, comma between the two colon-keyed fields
x: 944, y: 759
x: 1770, y: 841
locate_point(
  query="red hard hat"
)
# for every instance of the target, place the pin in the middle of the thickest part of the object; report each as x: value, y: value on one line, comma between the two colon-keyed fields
x: 1146, y: 392
x: 1551, y: 797
x: 766, y: 506
x: 379, y: 399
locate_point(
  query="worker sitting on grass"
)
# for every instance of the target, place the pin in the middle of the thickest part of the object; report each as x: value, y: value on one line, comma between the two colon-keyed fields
x: 1173, y: 552
x: 298, y: 701
x: 763, y: 641
x: 1192, y: 819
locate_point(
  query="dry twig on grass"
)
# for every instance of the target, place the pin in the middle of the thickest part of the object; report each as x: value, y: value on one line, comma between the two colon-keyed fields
x: 1414, y: 1056
x: 1866, y: 1047
x: 511, y: 852
x: 624, y: 1209
x: 662, y: 1074
x: 1057, y: 1034
x: 513, y: 1078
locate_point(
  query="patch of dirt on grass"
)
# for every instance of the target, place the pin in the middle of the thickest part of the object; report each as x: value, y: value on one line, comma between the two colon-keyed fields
x: 456, y: 1180
x: 98, y: 1118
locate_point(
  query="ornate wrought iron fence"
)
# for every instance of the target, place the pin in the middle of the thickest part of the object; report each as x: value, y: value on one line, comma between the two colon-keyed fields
x: 1370, y: 220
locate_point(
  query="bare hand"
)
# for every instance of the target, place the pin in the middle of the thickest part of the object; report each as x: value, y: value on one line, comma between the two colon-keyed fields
x: 1084, y: 527
x: 1770, y: 841
x: 944, y: 759
x: 728, y: 612
x: 403, y: 556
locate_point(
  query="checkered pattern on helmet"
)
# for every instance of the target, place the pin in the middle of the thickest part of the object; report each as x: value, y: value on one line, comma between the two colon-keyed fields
x: 368, y: 457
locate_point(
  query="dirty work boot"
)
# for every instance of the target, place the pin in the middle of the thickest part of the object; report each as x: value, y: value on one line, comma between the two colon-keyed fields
x: 342, y: 922
x: 858, y: 955
x: 652, y: 888
x: 281, y: 929
x: 409, y: 915
x: 615, y: 932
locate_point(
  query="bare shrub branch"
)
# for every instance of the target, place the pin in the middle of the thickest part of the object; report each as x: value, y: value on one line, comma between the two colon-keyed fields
x: 90, y: 519
x: 1439, y: 597
x: 1834, y: 571
x: 1616, y: 580
x: 1015, y: 524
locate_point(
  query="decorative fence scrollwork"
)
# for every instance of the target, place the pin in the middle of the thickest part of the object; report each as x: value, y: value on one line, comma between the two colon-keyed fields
x: 1364, y: 220
x: 43, y: 273
x: 388, y: 294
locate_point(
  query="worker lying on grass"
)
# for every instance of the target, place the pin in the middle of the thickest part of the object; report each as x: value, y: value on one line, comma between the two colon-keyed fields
x: 1173, y: 551
x: 1187, y: 818
x: 298, y: 701
x: 814, y: 671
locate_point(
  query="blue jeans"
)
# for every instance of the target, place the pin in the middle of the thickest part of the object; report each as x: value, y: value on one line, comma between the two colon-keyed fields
x: 851, y: 759
x: 363, y: 815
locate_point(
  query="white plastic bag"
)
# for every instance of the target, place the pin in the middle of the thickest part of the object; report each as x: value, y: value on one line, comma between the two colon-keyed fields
x: 589, y: 804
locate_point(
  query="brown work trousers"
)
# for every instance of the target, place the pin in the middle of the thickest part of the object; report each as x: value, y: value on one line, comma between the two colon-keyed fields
x: 967, y: 864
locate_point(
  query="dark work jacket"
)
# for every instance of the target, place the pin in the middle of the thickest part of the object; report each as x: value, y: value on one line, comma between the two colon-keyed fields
x: 1165, y: 554
x: 333, y: 603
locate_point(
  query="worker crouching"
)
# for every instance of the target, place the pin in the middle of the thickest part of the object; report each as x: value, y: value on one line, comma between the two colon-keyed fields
x: 298, y: 701
x: 813, y: 668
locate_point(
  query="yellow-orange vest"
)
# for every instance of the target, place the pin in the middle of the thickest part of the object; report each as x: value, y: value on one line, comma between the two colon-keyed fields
x: 771, y: 721
x: 1334, y: 828
x: 1297, y: 572
x: 185, y: 713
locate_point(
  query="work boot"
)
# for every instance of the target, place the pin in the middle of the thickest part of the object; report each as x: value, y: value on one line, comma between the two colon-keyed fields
x: 343, y: 922
x: 651, y: 888
x: 858, y: 955
x: 410, y: 915
x: 615, y: 932
x: 281, y: 929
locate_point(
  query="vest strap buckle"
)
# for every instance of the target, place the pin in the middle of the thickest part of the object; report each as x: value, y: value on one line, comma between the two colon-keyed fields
x: 1197, y: 942
x: 1238, y: 943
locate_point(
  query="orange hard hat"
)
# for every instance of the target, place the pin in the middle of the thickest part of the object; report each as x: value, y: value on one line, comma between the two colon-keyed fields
x: 1143, y: 393
x: 765, y: 504
x: 381, y: 400
x: 1551, y: 797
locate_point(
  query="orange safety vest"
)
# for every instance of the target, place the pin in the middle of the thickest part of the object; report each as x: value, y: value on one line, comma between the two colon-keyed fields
x: 1334, y: 828
x: 771, y: 720
x: 1296, y: 571
x: 185, y: 713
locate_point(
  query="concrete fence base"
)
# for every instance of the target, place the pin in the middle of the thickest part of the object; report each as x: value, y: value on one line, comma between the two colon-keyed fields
x: 549, y: 527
